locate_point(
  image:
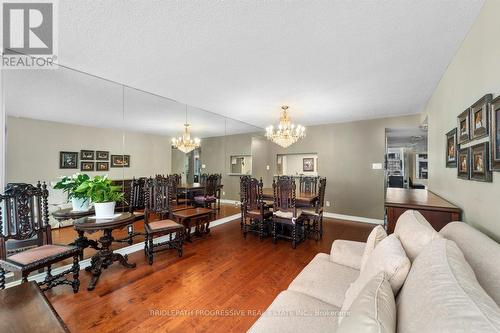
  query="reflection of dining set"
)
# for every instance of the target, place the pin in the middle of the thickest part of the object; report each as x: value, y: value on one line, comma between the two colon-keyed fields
x: 170, y: 210
x: 285, y: 211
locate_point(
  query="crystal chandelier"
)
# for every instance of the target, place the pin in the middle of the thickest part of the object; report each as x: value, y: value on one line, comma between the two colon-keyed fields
x: 184, y: 143
x: 287, y: 133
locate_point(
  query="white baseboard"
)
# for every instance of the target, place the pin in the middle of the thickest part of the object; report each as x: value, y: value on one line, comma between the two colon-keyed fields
x: 123, y: 251
x: 353, y: 218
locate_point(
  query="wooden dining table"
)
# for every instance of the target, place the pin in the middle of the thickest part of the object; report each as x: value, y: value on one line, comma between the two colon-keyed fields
x: 302, y: 198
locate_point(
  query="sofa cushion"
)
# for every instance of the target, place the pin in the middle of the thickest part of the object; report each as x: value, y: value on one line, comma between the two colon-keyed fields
x: 441, y: 294
x: 347, y: 253
x: 295, y: 312
x: 478, y: 250
x: 414, y: 232
x: 378, y: 233
x: 374, y: 310
x: 388, y: 257
x: 325, y: 280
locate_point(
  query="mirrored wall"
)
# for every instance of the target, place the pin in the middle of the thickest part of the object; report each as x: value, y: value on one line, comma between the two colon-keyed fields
x: 65, y: 122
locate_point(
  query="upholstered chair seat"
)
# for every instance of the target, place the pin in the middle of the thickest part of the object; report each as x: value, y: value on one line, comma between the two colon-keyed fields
x: 288, y: 215
x: 41, y: 253
x: 208, y: 198
x: 311, y: 212
x: 163, y: 225
x: 257, y: 213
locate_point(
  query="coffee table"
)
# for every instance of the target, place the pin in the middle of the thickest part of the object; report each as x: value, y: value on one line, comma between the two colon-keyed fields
x: 105, y: 256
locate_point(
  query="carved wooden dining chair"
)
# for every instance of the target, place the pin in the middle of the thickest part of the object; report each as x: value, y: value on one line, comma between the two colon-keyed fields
x: 314, y: 215
x: 25, y: 217
x: 156, y: 223
x: 243, y: 180
x: 218, y: 189
x: 136, y: 207
x: 285, y: 212
x: 254, y: 213
x: 209, y: 197
x: 178, y: 202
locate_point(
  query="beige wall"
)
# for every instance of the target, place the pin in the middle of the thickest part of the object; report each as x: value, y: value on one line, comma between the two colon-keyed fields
x: 345, y: 152
x: 473, y: 72
x: 33, y: 148
x: 215, y: 155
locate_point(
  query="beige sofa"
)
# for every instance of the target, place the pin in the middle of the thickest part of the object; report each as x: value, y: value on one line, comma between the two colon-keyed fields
x: 453, y: 285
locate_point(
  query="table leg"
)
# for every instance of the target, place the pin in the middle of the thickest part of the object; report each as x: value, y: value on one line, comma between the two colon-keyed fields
x: 83, y: 242
x: 105, y: 258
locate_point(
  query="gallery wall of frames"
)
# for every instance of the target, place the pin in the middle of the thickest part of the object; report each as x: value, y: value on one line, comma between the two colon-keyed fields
x: 473, y: 147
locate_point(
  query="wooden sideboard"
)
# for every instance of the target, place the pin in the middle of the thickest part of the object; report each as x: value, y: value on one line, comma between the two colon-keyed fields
x: 435, y: 209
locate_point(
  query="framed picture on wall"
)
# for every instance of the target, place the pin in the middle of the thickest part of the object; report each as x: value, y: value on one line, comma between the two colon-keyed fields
x: 102, y: 166
x: 463, y: 163
x: 464, y: 126
x: 479, y: 163
x: 87, y: 155
x: 307, y: 164
x: 479, y: 117
x: 451, y: 148
x: 495, y: 134
x: 120, y: 161
x: 68, y: 160
x: 101, y: 155
x: 86, y: 166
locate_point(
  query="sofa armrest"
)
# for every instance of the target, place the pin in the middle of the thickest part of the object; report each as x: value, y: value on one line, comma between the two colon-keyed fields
x: 347, y: 253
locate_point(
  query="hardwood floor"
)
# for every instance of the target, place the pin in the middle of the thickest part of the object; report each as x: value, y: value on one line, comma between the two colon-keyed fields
x: 222, y: 272
x: 67, y: 235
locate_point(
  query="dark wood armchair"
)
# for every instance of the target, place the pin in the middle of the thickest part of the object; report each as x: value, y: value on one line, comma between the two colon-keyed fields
x: 25, y: 217
x: 285, y: 212
x: 315, y: 215
x: 254, y: 213
x: 156, y: 223
x: 209, y: 197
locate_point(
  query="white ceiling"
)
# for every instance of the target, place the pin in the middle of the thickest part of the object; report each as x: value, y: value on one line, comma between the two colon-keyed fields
x: 331, y: 61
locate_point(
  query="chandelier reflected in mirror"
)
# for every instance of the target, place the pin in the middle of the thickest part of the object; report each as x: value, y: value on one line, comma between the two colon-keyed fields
x: 184, y: 143
x: 286, y: 134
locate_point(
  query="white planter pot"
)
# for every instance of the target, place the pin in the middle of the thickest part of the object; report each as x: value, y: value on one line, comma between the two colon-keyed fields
x: 80, y: 205
x: 104, y: 210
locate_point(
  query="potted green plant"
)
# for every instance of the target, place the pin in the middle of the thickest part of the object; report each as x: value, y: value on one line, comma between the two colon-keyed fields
x: 103, y: 194
x: 69, y: 185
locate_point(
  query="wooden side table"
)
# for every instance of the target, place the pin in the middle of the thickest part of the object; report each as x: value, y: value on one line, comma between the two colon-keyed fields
x: 105, y: 256
x: 199, y: 217
x: 69, y: 214
x: 24, y: 308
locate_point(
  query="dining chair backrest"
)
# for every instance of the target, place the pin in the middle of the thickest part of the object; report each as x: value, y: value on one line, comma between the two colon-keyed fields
x: 137, y: 194
x: 157, y: 197
x: 204, y: 178
x: 243, y: 180
x: 308, y: 184
x: 253, y: 194
x: 284, y: 194
x: 211, y: 185
x: 321, y: 193
x: 25, y: 214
